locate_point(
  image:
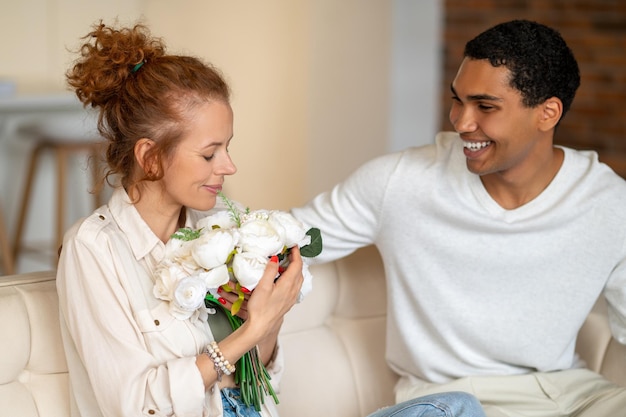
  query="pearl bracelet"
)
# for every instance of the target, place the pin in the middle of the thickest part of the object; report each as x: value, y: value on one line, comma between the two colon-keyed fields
x: 221, y: 364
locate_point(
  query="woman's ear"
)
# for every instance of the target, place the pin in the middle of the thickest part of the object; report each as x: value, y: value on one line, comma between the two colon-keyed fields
x: 551, y: 112
x: 144, y: 157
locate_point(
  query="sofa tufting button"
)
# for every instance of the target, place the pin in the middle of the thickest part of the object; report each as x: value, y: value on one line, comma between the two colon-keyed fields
x: 156, y: 322
x: 101, y: 217
x: 151, y: 411
x: 24, y: 377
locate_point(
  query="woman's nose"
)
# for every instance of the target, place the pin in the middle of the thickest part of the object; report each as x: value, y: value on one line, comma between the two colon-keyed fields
x: 227, y: 167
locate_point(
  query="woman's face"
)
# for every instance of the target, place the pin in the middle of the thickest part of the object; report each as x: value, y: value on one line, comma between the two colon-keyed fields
x: 195, y: 172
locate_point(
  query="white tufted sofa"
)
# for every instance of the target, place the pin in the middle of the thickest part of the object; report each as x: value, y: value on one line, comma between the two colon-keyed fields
x: 334, y: 343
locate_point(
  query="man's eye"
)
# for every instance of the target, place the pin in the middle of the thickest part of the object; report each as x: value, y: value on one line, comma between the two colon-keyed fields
x: 208, y: 158
x: 485, y: 107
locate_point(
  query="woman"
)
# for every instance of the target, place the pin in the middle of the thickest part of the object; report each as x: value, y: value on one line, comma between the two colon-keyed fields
x: 168, y: 124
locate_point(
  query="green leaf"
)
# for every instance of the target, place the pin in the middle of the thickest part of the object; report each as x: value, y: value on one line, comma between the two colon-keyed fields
x: 186, y: 234
x: 315, y: 247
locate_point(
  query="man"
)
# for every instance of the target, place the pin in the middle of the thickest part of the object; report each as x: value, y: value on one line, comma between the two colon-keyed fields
x: 496, y: 242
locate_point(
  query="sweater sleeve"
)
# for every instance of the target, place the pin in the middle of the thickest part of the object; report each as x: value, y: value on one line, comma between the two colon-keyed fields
x: 615, y: 293
x: 348, y: 215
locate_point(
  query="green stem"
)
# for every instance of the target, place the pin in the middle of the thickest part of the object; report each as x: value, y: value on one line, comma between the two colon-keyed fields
x: 251, y: 375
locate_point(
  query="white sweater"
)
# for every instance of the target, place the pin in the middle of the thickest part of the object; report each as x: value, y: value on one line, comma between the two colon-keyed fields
x: 474, y: 289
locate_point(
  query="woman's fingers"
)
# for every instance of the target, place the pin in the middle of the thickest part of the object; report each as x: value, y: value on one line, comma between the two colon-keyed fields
x: 277, y: 297
x: 271, y: 299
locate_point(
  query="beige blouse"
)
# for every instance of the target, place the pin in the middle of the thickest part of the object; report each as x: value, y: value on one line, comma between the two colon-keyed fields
x: 126, y: 354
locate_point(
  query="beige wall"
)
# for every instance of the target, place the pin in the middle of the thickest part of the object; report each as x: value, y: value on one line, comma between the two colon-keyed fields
x: 309, y: 77
x: 312, y: 83
x: 262, y: 48
x: 35, y: 36
x: 311, y: 86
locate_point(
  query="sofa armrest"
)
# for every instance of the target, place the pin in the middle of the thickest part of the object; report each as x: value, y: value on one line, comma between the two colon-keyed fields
x: 598, y: 348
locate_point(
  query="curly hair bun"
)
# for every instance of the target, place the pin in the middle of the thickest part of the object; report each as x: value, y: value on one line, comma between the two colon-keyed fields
x: 108, y: 58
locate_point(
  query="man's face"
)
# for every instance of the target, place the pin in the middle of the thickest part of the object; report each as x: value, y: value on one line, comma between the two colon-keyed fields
x: 500, y: 134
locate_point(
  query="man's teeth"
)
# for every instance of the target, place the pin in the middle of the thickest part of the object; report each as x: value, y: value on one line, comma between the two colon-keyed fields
x: 475, y: 146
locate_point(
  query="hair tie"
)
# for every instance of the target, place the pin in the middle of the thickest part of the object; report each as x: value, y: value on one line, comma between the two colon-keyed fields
x: 136, y: 67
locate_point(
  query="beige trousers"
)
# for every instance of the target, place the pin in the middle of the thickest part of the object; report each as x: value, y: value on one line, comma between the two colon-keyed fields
x: 571, y: 393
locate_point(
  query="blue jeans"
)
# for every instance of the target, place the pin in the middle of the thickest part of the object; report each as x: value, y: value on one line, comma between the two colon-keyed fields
x: 445, y: 404
x: 233, y: 404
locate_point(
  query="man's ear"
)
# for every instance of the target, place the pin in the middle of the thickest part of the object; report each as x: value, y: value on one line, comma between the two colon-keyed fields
x: 143, y: 156
x: 551, y: 112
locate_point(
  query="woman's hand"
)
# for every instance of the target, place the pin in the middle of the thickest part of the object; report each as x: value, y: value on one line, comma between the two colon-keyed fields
x: 273, y: 298
x: 263, y: 310
x: 228, y: 298
x: 270, y: 301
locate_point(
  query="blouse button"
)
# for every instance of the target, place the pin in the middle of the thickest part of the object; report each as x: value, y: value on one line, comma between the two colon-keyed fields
x: 157, y: 322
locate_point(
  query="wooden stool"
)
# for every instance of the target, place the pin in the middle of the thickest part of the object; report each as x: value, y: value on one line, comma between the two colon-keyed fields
x: 62, y: 141
x: 5, y: 250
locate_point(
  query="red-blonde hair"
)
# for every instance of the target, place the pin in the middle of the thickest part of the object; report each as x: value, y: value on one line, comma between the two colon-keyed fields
x: 141, y: 92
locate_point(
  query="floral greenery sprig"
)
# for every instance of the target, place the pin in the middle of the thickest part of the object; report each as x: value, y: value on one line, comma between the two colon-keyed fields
x: 186, y: 234
x: 232, y: 245
x: 232, y: 210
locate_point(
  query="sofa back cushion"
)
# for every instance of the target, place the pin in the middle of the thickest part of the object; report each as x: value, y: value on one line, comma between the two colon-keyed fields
x: 334, y: 342
x: 33, y: 372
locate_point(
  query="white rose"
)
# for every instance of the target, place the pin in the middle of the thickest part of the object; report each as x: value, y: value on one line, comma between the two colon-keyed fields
x: 290, y: 229
x: 248, y: 268
x: 167, y: 276
x: 188, y: 297
x: 212, y: 248
x: 222, y: 219
x: 258, y: 236
x: 178, y: 250
x: 216, y: 277
x: 255, y: 215
x: 307, y: 284
x: 176, y: 247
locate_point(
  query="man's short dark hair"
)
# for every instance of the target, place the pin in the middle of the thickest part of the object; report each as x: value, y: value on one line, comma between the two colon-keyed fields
x: 540, y: 62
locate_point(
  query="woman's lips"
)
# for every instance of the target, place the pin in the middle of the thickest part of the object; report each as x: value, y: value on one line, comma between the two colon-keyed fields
x: 214, y: 188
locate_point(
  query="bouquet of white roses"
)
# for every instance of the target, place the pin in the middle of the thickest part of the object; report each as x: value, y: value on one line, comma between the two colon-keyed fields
x: 231, y: 245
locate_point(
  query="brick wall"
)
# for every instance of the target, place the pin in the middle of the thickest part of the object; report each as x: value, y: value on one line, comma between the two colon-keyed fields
x: 594, y: 29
